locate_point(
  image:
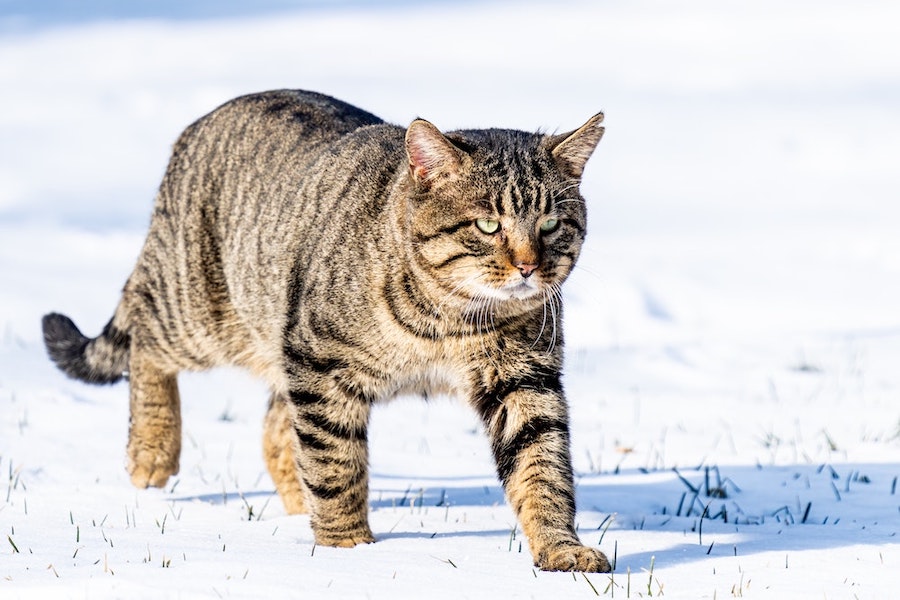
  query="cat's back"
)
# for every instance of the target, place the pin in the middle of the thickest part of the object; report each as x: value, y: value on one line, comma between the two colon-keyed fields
x: 230, y: 208
x: 311, y: 115
x: 236, y: 175
x: 276, y: 123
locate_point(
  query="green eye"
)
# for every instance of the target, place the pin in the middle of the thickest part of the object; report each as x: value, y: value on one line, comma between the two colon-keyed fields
x: 487, y: 226
x: 550, y: 225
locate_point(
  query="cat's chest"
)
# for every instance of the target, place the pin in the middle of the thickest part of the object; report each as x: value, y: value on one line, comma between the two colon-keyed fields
x: 405, y: 364
x: 431, y: 381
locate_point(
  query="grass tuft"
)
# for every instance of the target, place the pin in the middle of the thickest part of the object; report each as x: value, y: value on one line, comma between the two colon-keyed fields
x: 596, y: 593
x: 604, y: 525
x: 162, y: 526
x: 837, y: 494
x: 806, y: 512
x: 700, y: 526
x: 650, y: 580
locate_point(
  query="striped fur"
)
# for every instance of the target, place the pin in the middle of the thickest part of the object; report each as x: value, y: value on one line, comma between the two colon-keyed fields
x: 345, y: 261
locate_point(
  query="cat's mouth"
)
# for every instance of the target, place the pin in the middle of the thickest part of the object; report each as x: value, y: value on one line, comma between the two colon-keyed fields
x: 522, y: 289
x: 519, y: 290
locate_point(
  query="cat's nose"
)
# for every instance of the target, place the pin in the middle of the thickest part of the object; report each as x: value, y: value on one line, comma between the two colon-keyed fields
x: 526, y: 269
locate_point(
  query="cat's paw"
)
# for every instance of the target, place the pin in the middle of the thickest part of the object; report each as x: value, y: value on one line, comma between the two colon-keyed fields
x: 346, y: 539
x: 149, y: 470
x: 572, y: 557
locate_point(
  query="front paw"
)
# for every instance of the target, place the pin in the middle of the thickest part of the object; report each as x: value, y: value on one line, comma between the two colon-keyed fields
x: 572, y: 557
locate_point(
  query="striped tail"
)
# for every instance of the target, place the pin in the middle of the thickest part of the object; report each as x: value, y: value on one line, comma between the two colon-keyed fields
x: 103, y: 359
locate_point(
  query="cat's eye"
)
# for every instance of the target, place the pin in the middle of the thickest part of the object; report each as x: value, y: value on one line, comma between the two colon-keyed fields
x: 550, y: 225
x: 488, y: 226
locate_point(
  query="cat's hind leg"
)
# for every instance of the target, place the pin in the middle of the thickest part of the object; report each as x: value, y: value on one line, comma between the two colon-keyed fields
x: 154, y: 433
x: 280, y: 451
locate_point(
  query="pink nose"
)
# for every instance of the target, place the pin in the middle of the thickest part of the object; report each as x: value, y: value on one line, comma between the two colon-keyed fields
x: 526, y: 269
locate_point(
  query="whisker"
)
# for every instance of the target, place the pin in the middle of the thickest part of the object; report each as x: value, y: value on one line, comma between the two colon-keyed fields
x: 455, y: 291
x: 567, y: 200
x: 587, y: 270
x: 572, y: 184
x: 546, y: 299
x: 555, y: 302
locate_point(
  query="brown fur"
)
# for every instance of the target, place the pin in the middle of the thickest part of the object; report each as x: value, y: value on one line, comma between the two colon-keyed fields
x: 280, y: 451
x: 346, y: 261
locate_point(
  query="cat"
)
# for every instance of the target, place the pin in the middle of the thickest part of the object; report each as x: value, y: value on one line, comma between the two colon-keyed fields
x: 345, y: 261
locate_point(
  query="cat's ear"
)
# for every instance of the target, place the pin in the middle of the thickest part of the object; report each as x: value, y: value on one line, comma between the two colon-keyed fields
x: 431, y: 155
x: 572, y: 150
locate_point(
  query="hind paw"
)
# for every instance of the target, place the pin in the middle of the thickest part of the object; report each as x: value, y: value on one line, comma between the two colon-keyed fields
x: 147, y: 470
x: 346, y: 540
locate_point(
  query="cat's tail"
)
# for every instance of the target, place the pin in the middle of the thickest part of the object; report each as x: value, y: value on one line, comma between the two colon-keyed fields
x: 103, y: 359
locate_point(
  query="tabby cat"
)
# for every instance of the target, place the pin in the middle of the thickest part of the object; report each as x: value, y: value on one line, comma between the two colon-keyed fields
x: 346, y: 261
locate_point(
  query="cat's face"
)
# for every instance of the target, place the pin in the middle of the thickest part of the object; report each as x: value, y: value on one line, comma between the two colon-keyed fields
x: 502, y: 233
x: 505, y: 223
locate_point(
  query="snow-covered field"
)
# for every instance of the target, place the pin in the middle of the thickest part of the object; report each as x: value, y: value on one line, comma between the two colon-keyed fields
x: 733, y: 332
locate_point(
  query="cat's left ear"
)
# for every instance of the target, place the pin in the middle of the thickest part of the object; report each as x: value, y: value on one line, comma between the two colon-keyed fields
x: 431, y: 155
x: 572, y: 150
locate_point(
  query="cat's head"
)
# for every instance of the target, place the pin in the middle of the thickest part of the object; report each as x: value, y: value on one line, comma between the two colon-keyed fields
x: 496, y: 215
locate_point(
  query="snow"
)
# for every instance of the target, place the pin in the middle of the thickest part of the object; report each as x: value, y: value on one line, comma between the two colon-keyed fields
x: 732, y: 329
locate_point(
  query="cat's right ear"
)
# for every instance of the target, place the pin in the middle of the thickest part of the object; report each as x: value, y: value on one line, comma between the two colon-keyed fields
x: 431, y: 155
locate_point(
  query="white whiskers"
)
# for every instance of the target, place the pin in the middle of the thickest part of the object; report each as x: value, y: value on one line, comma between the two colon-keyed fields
x: 551, y: 303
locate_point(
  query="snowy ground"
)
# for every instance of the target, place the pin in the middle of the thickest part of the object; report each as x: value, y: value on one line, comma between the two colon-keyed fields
x: 733, y: 333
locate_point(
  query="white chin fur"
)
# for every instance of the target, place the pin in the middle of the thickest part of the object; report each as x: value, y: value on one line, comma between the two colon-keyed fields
x: 526, y: 288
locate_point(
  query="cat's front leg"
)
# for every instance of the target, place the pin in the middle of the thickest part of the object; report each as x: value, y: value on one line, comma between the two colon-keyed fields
x: 332, y: 459
x: 527, y: 422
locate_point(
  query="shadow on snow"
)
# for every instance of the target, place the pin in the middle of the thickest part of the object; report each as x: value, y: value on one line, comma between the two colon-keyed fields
x: 727, y: 511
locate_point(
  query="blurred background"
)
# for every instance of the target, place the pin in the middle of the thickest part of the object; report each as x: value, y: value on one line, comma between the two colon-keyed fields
x: 747, y: 183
